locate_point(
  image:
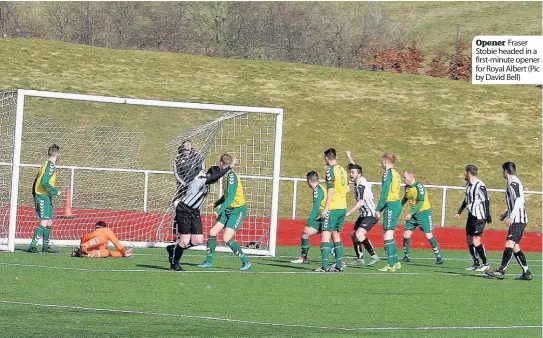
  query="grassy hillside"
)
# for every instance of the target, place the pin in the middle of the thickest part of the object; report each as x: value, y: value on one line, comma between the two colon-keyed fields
x: 435, y: 126
x: 433, y: 24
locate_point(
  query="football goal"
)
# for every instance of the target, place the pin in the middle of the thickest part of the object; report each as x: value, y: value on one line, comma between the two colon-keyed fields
x: 117, y: 164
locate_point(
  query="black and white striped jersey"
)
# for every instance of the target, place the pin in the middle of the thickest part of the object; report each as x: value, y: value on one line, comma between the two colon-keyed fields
x: 516, y: 203
x: 362, y: 190
x: 187, y: 166
x: 196, y: 193
x: 476, y: 200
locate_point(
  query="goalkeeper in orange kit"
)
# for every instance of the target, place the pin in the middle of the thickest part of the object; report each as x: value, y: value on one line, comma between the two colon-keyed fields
x: 94, y: 244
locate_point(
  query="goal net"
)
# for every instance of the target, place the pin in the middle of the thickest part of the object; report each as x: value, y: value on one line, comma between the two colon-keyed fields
x: 123, y: 161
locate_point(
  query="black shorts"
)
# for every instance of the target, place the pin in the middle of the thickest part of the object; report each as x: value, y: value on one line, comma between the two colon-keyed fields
x: 474, y: 226
x: 516, y: 230
x: 365, y: 223
x: 187, y: 221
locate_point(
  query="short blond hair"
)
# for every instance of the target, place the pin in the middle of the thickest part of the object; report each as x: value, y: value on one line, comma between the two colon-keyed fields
x: 390, y: 156
x: 410, y: 173
x: 226, y: 158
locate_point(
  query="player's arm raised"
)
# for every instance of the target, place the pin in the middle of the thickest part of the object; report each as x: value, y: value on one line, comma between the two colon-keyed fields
x: 216, y: 176
x: 350, y: 157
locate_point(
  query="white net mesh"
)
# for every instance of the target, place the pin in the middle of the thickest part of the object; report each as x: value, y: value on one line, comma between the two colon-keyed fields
x: 101, y: 168
x: 8, y: 102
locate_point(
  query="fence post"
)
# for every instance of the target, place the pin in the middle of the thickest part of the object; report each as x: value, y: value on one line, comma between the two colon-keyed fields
x: 145, y: 188
x: 294, y: 198
x: 444, y: 206
x: 72, y: 174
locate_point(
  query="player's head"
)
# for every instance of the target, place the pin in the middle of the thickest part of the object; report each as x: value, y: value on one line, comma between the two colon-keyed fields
x: 330, y: 156
x: 101, y: 224
x: 355, y: 172
x: 53, y: 151
x: 213, y: 170
x: 185, y: 147
x: 509, y: 168
x: 388, y: 160
x: 225, y: 161
x: 409, y: 177
x: 471, y: 171
x: 312, y: 179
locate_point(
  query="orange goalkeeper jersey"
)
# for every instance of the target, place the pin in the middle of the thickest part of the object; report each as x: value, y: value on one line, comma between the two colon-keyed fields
x: 104, y: 235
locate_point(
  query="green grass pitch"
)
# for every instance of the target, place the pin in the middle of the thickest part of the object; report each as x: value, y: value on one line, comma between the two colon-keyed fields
x: 56, y: 295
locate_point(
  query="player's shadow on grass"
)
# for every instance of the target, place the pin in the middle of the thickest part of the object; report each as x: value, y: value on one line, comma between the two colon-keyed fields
x: 156, y: 267
x: 461, y: 274
x: 287, y: 265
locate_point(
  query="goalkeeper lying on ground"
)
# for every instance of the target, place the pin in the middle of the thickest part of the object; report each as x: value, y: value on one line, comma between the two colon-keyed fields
x: 94, y: 244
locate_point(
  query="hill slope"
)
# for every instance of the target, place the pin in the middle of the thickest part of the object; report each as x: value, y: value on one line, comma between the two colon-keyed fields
x: 435, y: 126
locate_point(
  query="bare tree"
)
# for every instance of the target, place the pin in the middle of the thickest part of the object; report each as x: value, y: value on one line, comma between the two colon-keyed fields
x: 20, y: 29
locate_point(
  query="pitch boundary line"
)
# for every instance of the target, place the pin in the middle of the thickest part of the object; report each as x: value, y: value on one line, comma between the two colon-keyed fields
x: 261, y: 323
x: 360, y: 273
x: 289, y: 257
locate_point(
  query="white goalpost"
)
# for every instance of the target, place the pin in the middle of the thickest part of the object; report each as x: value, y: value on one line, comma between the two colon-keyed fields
x: 104, y: 165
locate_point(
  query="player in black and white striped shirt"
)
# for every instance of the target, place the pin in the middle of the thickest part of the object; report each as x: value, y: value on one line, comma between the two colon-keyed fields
x: 478, y: 205
x: 187, y: 221
x: 365, y: 204
x: 516, y: 219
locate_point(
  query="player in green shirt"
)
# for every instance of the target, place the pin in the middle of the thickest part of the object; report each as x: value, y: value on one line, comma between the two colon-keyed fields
x: 420, y: 215
x: 230, y: 216
x: 390, y: 206
x: 43, y: 190
x: 314, y: 223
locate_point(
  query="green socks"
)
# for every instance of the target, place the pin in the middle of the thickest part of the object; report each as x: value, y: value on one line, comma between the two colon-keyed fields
x: 406, y: 246
x: 435, y: 246
x: 339, y: 254
x: 211, y: 244
x: 325, y: 252
x: 46, y: 234
x: 392, y: 251
x: 237, y: 250
x: 37, y: 234
x: 305, y: 247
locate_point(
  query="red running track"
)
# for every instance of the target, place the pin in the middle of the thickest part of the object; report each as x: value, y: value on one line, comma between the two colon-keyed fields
x: 143, y: 226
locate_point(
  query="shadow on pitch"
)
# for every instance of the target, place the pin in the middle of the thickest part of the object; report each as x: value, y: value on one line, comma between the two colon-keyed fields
x: 287, y: 265
x: 156, y: 267
x: 461, y: 274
